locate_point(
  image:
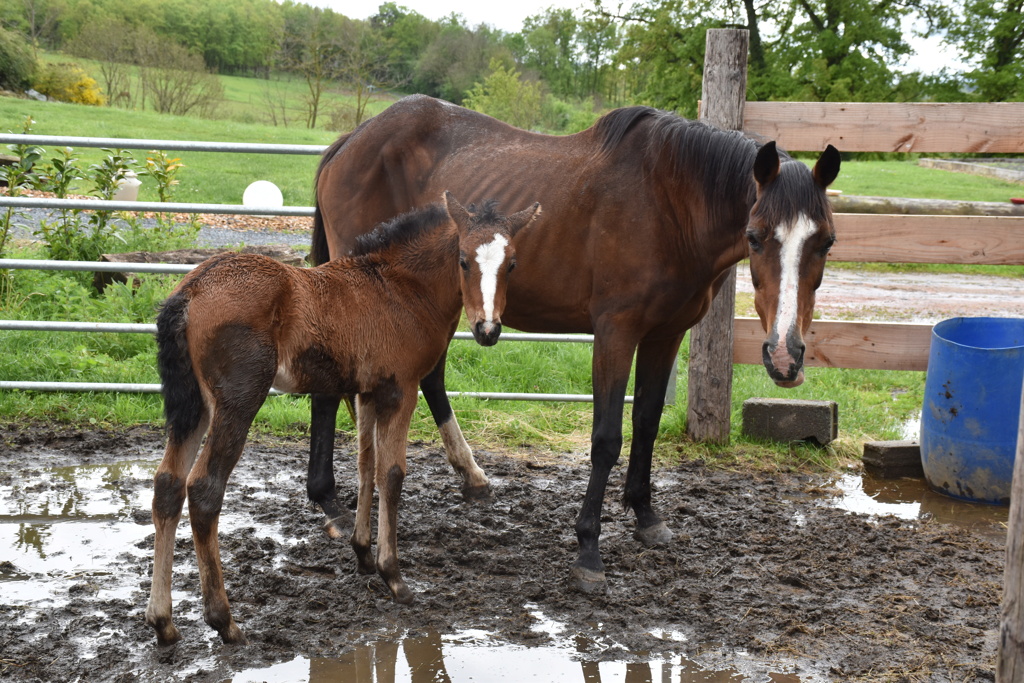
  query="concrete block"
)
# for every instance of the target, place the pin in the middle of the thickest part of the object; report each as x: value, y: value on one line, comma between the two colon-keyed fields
x: 782, y: 419
x: 892, y: 459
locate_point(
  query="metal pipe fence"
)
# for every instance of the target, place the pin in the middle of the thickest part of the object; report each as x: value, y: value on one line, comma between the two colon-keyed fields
x: 183, y: 207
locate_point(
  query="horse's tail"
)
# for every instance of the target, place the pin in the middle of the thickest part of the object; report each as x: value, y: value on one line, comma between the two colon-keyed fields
x: 183, y: 401
x: 319, y: 251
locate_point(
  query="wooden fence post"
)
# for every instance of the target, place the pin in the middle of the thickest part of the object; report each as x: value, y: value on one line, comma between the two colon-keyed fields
x: 1010, y: 663
x: 709, y: 403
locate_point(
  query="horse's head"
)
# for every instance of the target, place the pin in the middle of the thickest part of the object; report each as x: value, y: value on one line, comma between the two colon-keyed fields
x: 486, y: 256
x: 790, y: 233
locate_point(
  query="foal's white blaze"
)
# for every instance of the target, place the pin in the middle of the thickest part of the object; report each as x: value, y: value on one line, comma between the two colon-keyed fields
x: 489, y: 257
x: 792, y: 238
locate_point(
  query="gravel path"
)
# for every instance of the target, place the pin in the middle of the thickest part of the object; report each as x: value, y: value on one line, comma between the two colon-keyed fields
x: 217, y: 230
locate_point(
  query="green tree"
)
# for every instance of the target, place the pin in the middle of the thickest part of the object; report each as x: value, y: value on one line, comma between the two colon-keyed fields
x: 506, y: 96
x: 457, y: 59
x: 988, y: 35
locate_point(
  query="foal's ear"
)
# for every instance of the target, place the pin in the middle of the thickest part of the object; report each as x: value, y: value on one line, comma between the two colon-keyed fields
x: 827, y: 167
x: 766, y: 165
x: 456, y: 210
x: 518, y: 221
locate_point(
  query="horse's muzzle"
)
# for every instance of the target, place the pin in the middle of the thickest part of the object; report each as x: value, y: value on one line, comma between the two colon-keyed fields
x: 784, y: 363
x: 486, y: 334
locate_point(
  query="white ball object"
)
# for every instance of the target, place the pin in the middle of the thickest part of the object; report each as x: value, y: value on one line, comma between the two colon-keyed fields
x: 262, y: 193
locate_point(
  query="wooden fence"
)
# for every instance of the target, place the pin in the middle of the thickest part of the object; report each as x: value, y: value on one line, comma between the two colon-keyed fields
x: 851, y: 127
x: 871, y: 127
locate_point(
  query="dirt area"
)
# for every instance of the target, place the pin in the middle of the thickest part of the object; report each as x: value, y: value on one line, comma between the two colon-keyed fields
x: 760, y: 566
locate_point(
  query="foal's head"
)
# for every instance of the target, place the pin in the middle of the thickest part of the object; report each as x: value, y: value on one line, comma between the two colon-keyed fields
x: 790, y: 233
x: 486, y: 256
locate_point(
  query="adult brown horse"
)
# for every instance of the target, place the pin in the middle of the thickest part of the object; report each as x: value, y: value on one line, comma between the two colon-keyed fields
x: 645, y: 213
x: 370, y: 326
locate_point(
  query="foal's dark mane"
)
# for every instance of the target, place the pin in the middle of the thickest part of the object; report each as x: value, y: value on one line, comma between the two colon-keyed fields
x: 402, y: 229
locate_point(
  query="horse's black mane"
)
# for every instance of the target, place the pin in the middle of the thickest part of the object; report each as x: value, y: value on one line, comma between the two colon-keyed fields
x: 486, y: 214
x: 401, y: 229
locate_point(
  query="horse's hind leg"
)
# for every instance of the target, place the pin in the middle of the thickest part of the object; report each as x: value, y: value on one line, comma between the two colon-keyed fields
x: 366, y: 419
x: 320, y: 483
x: 206, y: 485
x: 474, y: 481
x: 168, y: 498
x: 653, y: 370
x: 392, y: 433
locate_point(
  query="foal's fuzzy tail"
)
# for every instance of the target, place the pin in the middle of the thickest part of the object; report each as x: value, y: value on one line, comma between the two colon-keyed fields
x: 183, y: 401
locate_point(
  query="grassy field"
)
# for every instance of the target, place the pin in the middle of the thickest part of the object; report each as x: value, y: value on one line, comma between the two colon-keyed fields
x: 873, y: 404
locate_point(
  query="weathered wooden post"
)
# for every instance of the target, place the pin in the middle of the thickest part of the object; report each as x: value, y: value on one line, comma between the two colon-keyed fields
x: 1010, y: 666
x: 709, y: 405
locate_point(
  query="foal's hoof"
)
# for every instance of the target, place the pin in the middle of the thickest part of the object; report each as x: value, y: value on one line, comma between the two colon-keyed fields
x: 654, y: 536
x: 402, y: 595
x: 233, y: 635
x: 587, y: 581
x: 477, y: 494
x: 168, y: 635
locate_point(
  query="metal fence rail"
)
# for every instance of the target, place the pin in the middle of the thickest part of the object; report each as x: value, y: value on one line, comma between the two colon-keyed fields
x: 149, y: 328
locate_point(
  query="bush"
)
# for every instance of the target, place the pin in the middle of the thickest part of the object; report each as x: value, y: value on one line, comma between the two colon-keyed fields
x: 68, y: 83
x: 16, y: 62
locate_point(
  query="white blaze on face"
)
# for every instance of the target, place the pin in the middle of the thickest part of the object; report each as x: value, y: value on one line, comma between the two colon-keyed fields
x: 792, y: 238
x: 489, y: 257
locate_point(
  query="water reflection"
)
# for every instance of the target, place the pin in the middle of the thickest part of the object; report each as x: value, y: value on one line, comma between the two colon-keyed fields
x: 433, y: 658
x: 912, y: 499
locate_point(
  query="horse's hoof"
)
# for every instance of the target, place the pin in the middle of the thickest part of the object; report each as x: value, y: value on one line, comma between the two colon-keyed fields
x: 233, y: 635
x: 654, y: 536
x: 477, y: 494
x: 587, y: 581
x: 402, y: 595
x: 333, y: 529
x: 169, y: 636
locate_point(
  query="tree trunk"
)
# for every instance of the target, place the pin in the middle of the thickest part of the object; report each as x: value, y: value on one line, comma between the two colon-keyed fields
x: 709, y: 405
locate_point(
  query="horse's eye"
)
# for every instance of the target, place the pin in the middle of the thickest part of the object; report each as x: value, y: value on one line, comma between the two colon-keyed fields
x: 825, y: 248
x: 463, y: 264
x: 511, y: 265
x: 755, y: 243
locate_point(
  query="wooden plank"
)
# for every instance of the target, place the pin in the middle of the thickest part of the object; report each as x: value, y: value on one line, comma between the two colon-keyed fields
x: 987, y: 127
x: 993, y: 240
x: 838, y: 344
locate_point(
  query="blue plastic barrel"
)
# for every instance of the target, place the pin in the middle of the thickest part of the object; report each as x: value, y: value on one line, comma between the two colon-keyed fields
x: 972, y: 397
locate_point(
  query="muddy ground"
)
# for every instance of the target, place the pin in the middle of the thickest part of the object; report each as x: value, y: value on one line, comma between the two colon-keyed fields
x: 758, y: 564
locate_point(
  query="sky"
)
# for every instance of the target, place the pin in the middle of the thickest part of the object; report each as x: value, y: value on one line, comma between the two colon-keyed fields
x: 507, y: 15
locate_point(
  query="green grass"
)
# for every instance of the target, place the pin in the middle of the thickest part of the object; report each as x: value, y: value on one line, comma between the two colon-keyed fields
x: 907, y: 179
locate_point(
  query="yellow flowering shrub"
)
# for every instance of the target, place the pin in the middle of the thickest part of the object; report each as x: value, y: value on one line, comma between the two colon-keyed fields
x: 68, y: 83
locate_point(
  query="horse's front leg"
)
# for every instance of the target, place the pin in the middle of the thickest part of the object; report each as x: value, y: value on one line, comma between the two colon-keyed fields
x: 653, y: 369
x: 366, y: 421
x: 168, y: 499
x: 320, y: 485
x: 475, y: 485
x: 612, y: 360
x: 392, y: 437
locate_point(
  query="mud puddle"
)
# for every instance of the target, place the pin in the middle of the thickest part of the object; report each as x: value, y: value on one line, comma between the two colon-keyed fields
x: 785, y: 579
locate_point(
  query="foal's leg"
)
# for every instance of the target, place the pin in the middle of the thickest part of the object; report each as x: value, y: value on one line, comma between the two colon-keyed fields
x: 474, y: 481
x: 206, y: 486
x: 653, y: 368
x: 168, y: 498
x: 320, y: 480
x: 366, y: 419
x: 392, y: 437
x: 612, y: 360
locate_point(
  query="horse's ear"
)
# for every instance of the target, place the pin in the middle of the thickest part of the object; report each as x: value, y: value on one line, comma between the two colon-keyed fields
x: 456, y: 211
x: 827, y: 167
x: 766, y: 165
x: 518, y: 221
